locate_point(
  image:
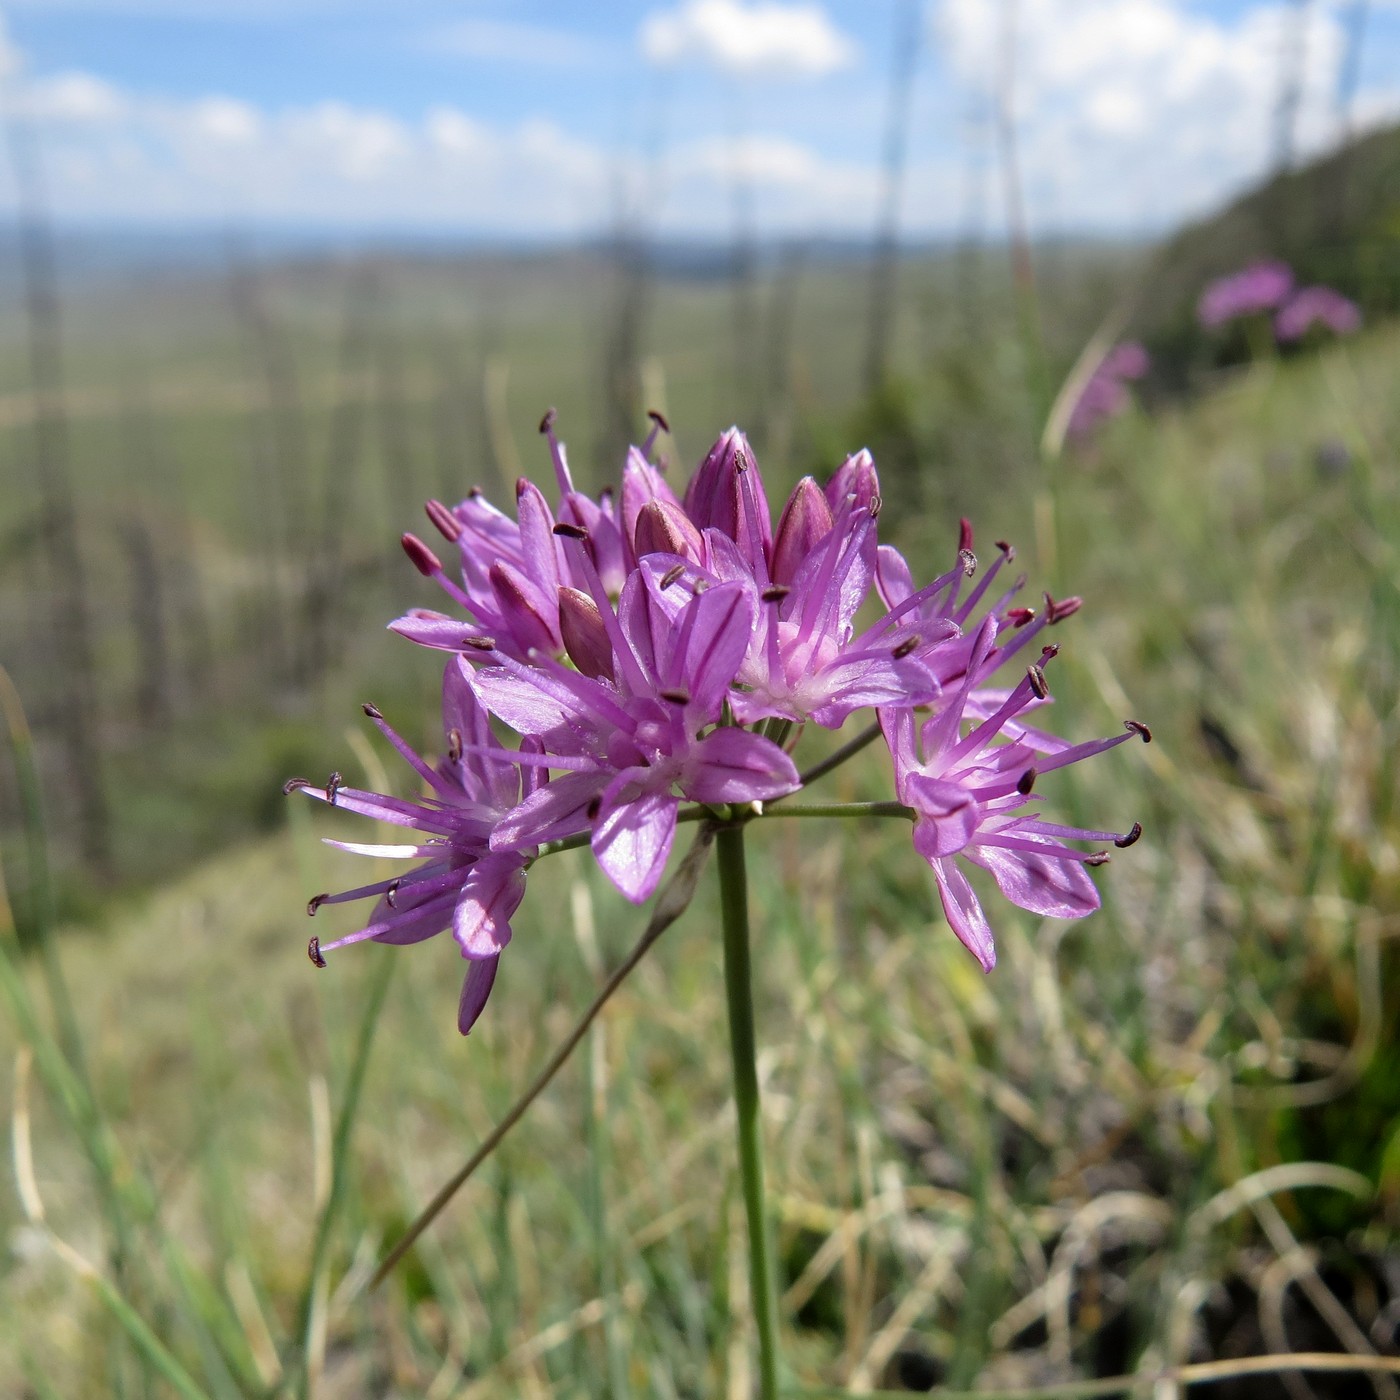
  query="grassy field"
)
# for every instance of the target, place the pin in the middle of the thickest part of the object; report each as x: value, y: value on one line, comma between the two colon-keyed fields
x: 1167, y: 1133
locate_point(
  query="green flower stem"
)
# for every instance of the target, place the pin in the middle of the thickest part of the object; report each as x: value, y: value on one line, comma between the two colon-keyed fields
x: 844, y: 809
x: 734, y: 904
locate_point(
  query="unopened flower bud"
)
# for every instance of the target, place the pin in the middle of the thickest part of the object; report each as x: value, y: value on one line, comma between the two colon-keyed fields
x: 806, y: 520
x: 664, y: 528
x: 856, y: 476
x: 585, y: 637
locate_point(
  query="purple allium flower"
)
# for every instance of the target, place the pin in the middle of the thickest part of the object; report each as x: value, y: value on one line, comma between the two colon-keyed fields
x: 969, y: 791
x: 633, y: 744
x: 462, y: 883
x: 669, y: 647
x: 1314, y: 306
x: 1260, y: 287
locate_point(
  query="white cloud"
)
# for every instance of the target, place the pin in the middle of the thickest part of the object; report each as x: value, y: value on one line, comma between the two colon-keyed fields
x: 766, y: 37
x: 507, y: 41
x: 1140, y: 111
x: 114, y: 154
x: 73, y: 97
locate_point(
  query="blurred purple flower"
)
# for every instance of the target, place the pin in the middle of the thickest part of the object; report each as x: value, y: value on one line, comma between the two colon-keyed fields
x: 462, y: 883
x: 1105, y: 395
x: 1260, y: 287
x: 1316, y: 306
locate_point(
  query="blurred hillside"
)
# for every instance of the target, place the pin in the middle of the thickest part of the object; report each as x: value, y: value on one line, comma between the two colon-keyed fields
x: 1334, y: 221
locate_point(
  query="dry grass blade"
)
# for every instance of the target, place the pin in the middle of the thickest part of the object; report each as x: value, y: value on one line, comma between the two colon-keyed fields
x: 952, y: 1245
x: 671, y: 903
x: 1198, y: 1373
x: 1322, y: 1298
x: 1287, y: 1177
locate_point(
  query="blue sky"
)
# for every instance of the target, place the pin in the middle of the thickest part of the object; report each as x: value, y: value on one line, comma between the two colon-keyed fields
x: 529, y: 118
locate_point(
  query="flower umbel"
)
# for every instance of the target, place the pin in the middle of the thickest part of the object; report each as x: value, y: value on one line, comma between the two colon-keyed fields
x: 669, y: 646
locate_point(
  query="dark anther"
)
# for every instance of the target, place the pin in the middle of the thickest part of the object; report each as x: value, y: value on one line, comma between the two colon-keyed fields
x: 1020, y: 616
x: 676, y: 697
x: 775, y: 593
x: 447, y: 524
x: 964, y: 536
x: 1138, y: 727
x: 1008, y: 550
x: 480, y: 643
x: 391, y: 895
x: 594, y: 807
x: 672, y: 574
x: 1026, y: 782
x: 1123, y: 842
x: 547, y: 422
x: 570, y: 532
x: 423, y: 558
x: 908, y: 645
x: 313, y: 951
x: 333, y: 786
x: 1037, y: 679
x: 968, y: 560
x: 659, y: 419
x: 1048, y: 653
x: 475, y: 494
x: 1060, y: 609
x: 314, y: 903
x: 295, y: 785
x: 372, y: 711
x: 1098, y: 858
x: 877, y: 504
x: 454, y: 745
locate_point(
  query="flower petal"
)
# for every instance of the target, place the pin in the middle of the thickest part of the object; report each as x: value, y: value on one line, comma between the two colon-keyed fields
x: 1059, y: 889
x: 490, y: 896
x: 558, y: 809
x: 948, y: 815
x: 710, y: 638
x: 733, y: 765
x: 964, y: 911
x: 634, y: 833
x: 484, y: 769
x: 476, y: 987
x: 436, y: 630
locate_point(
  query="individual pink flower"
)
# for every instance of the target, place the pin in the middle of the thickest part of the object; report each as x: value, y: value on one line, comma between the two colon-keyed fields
x: 462, y: 884
x: 970, y: 791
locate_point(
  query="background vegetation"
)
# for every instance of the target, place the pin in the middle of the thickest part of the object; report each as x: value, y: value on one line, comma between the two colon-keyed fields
x: 1167, y: 1133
